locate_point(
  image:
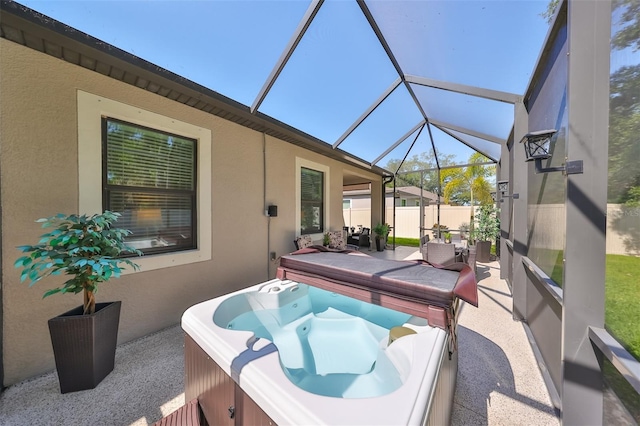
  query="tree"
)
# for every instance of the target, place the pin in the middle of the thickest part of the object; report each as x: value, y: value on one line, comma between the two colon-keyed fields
x: 629, y: 34
x: 468, y: 185
x: 624, y: 105
x: 419, y: 162
x: 624, y: 128
x: 551, y: 10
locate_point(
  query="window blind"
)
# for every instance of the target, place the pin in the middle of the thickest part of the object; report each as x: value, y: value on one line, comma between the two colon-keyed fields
x: 311, y: 201
x: 150, y: 178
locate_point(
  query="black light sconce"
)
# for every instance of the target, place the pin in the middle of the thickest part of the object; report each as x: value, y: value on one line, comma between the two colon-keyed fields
x: 272, y: 211
x: 537, y: 148
x: 503, y: 188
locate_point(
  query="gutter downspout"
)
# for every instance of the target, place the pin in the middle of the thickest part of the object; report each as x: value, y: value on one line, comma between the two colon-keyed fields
x: 264, y: 201
x: 385, y: 181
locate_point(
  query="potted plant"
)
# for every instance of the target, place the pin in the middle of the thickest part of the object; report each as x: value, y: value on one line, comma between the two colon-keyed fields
x: 381, y: 230
x: 447, y: 237
x: 326, y: 239
x: 87, y: 248
x: 438, y: 230
x: 485, y: 231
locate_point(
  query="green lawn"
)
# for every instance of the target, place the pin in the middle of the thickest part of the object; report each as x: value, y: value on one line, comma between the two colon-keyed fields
x: 408, y: 242
x: 622, y: 314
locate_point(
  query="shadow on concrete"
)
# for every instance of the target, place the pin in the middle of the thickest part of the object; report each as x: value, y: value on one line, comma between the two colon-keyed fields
x: 484, y: 369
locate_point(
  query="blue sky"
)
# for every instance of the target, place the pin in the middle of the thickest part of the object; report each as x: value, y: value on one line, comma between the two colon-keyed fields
x: 339, y: 69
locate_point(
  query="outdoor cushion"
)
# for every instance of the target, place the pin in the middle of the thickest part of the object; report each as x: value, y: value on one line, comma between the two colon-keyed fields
x: 303, y: 241
x: 336, y: 240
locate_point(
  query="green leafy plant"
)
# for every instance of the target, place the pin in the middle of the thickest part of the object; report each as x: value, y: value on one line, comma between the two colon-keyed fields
x: 325, y: 239
x: 86, y: 247
x: 488, y: 223
x: 447, y: 236
x: 381, y: 230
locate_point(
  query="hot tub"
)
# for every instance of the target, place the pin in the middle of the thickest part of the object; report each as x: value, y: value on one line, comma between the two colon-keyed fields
x: 284, y: 352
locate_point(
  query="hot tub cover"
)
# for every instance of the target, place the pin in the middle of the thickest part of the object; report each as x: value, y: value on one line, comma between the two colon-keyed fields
x: 414, y: 287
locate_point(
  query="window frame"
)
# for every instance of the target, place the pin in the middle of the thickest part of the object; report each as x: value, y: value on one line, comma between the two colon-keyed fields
x: 307, y: 164
x: 191, y: 193
x: 90, y: 109
x: 311, y: 202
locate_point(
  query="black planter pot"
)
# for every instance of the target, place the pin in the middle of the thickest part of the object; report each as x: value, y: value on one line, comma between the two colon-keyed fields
x: 483, y: 251
x: 379, y: 244
x: 84, y: 346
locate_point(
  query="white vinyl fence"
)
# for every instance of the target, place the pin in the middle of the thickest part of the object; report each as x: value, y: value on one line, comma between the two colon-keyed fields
x: 623, y: 227
x: 408, y: 218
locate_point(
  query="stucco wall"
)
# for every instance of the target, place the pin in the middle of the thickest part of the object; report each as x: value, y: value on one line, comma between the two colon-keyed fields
x: 39, y: 166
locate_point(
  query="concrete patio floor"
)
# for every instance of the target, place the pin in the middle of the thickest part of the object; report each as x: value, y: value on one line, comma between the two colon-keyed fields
x: 499, y: 382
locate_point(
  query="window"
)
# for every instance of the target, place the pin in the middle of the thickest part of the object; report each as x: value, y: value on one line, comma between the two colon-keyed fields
x: 403, y: 202
x: 346, y: 204
x: 196, y: 247
x: 312, y: 197
x: 149, y: 176
x: 311, y: 201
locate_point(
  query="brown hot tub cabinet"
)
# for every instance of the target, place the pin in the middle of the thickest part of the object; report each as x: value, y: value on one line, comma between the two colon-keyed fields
x: 221, y: 400
x: 261, y: 394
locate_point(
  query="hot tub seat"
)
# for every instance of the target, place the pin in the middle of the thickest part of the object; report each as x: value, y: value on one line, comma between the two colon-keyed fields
x: 413, y: 287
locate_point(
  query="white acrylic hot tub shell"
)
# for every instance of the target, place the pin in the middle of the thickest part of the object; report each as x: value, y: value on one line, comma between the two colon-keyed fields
x: 265, y: 382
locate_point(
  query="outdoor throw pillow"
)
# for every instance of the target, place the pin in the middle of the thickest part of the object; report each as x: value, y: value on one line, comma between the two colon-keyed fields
x: 336, y: 241
x: 304, y: 241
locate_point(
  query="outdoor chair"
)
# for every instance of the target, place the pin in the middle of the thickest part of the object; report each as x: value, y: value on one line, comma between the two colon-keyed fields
x: 456, y: 238
x: 442, y: 254
x: 362, y: 239
x: 469, y: 257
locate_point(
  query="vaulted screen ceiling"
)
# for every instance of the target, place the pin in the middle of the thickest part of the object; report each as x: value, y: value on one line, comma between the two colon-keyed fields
x: 381, y: 80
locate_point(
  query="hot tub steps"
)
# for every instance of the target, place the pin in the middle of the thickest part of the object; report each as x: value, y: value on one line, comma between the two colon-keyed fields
x: 187, y: 415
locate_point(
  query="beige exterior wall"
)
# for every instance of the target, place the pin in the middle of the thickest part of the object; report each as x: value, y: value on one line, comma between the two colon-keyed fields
x: 39, y: 177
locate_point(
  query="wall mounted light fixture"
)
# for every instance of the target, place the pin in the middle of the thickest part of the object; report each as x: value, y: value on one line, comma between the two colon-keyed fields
x: 495, y: 198
x: 503, y: 189
x: 537, y: 147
